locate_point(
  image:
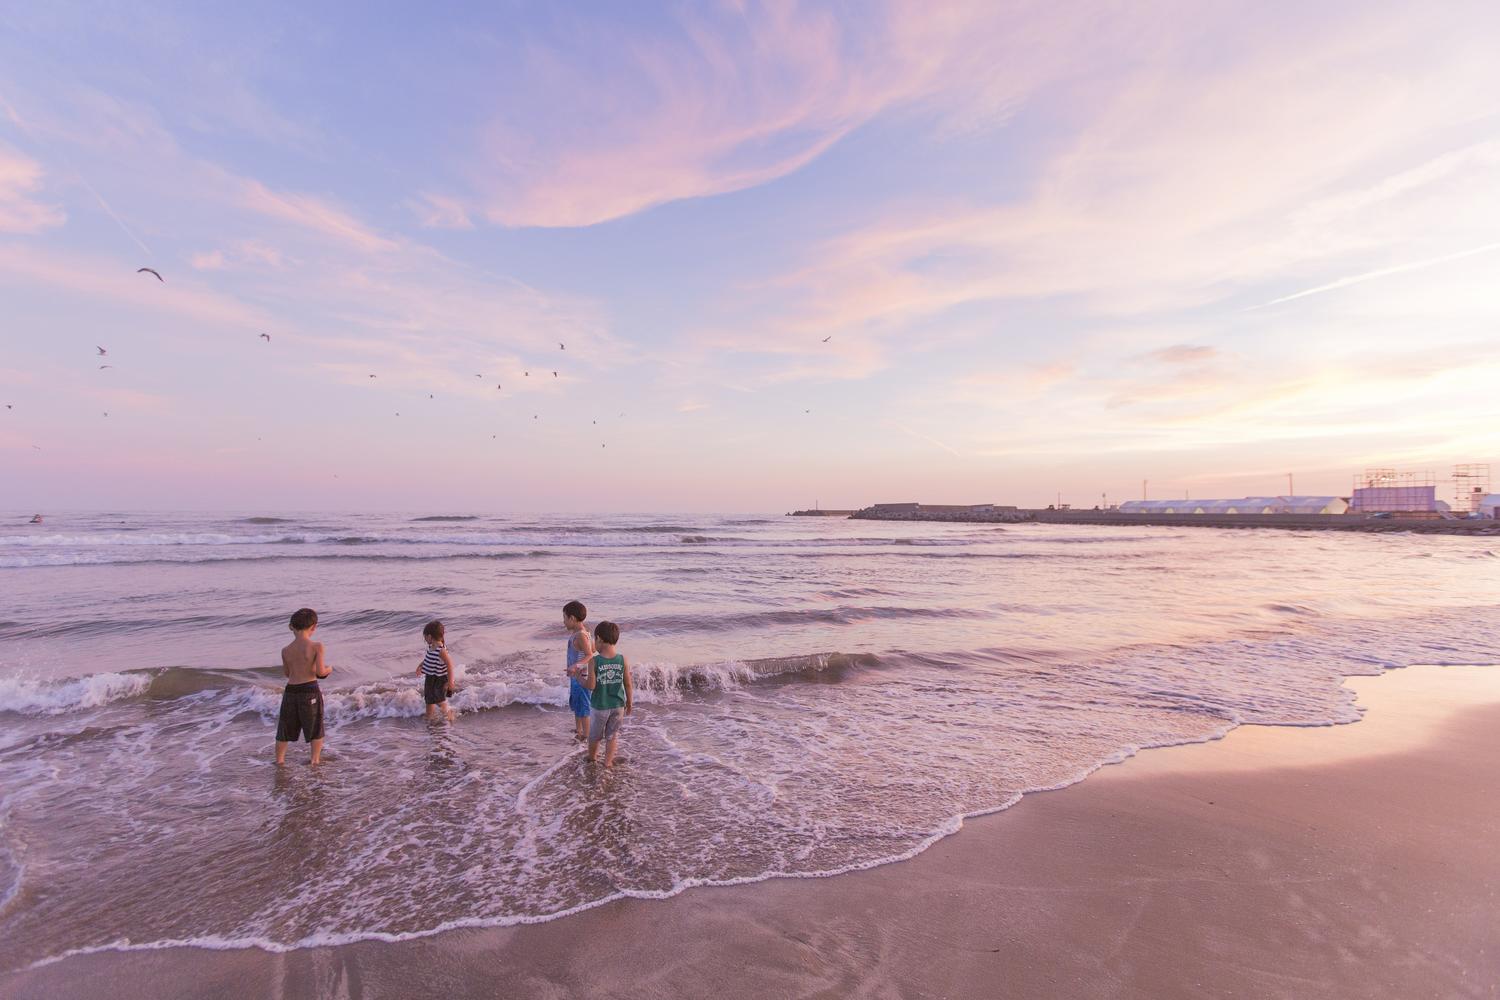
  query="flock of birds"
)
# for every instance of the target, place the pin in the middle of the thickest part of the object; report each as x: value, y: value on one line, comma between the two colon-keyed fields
x: 104, y: 353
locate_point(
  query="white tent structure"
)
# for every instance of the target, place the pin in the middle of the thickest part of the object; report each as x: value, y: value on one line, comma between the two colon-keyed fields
x: 1244, y: 505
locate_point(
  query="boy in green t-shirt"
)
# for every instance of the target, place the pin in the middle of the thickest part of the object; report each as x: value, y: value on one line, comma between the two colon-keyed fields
x: 611, y: 692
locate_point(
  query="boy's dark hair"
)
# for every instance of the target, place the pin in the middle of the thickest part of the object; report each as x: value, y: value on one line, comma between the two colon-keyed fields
x: 304, y: 619
x: 607, y: 632
x: 433, y: 630
x: 576, y: 610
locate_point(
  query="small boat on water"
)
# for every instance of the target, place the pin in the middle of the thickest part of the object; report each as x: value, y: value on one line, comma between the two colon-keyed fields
x: 35, y: 519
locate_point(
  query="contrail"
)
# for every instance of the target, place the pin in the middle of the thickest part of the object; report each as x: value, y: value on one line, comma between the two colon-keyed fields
x: 1383, y: 272
x: 111, y: 212
x: 923, y: 437
x: 20, y: 123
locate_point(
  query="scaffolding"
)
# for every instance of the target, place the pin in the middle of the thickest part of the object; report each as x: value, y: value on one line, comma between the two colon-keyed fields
x: 1471, y: 483
x: 1388, y: 490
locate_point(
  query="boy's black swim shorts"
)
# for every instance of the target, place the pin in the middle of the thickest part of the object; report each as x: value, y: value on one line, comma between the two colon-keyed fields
x: 301, y: 713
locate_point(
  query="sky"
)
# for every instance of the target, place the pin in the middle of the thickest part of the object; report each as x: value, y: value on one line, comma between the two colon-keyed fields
x: 776, y: 254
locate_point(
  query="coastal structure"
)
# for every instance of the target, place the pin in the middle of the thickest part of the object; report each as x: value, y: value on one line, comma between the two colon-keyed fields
x: 940, y: 512
x: 1244, y: 505
x: 1386, y: 491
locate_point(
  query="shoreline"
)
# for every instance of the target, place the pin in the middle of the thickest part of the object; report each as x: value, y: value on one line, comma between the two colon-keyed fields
x: 1046, y: 884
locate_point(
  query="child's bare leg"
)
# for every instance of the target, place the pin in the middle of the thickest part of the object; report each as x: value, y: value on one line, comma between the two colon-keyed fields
x: 593, y: 750
x: 581, y: 726
x: 317, y: 750
x: 428, y: 713
x: 609, y: 751
x: 448, y: 711
x: 281, y: 752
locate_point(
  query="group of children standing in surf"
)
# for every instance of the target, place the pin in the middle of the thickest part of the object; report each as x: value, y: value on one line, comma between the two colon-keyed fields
x: 600, y: 688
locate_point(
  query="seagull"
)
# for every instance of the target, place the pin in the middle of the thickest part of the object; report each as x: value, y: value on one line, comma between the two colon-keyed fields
x: 372, y: 376
x: 430, y: 396
x: 149, y: 270
x: 477, y: 375
x: 533, y: 416
x: 827, y: 338
x: 807, y: 411
x: 102, y: 351
x: 497, y: 385
x: 527, y: 374
x: 266, y: 337
x: 560, y: 346
x: 102, y: 367
x: 106, y: 413
x: 554, y: 374
x: 9, y: 406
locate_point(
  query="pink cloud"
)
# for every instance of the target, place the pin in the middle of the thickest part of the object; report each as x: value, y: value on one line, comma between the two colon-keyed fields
x: 314, y: 214
x: 737, y: 101
x: 437, y: 211
x: 20, y: 179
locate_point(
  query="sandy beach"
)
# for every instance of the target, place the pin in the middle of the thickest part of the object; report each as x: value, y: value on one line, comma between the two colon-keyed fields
x: 1350, y: 861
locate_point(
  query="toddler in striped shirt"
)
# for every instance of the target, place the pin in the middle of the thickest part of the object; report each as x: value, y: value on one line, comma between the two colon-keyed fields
x: 436, y: 670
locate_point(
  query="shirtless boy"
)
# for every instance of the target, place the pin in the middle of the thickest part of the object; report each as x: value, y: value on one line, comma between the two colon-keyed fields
x: 302, y: 701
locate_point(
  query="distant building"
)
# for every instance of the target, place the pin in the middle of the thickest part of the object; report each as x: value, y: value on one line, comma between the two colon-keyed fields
x: 1378, y: 499
x: 1489, y: 506
x: 1244, y: 505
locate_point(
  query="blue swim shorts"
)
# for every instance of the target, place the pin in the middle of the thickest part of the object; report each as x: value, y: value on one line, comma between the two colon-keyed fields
x: 578, y: 699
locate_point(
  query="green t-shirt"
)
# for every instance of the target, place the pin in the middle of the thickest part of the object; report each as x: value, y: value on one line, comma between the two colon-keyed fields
x: 609, y: 682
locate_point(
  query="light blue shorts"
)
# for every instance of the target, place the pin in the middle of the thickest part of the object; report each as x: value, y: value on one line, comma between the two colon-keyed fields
x: 604, y: 724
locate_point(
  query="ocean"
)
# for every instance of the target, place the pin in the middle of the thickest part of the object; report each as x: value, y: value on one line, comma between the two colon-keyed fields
x: 814, y: 696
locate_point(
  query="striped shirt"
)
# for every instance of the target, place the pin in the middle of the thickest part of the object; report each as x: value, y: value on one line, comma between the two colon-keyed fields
x: 432, y: 663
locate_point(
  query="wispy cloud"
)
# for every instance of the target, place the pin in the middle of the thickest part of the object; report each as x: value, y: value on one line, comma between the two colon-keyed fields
x: 1182, y: 354
x: 20, y: 211
x: 735, y: 97
x: 315, y: 214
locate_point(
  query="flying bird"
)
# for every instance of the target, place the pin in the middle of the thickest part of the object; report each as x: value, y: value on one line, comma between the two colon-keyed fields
x: 106, y: 413
x: 431, y: 396
x: 9, y: 406
x: 102, y: 351
x: 554, y: 374
x: 477, y: 375
x: 527, y: 374
x: 372, y: 376
x: 560, y: 346
x: 149, y: 270
x: 497, y: 385
x: 102, y: 367
x: 266, y: 337
x: 827, y: 338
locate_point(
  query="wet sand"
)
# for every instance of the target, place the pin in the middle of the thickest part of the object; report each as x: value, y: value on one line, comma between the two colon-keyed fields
x: 1353, y: 861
